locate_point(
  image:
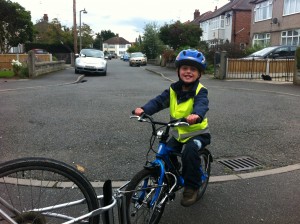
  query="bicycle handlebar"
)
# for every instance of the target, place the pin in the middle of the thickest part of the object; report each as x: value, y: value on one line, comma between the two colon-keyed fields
x: 147, y: 118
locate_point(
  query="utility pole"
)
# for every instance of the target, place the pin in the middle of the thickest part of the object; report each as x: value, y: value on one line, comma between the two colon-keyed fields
x: 74, y: 27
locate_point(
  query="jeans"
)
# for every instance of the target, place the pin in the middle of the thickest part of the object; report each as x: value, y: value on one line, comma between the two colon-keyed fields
x: 190, y: 159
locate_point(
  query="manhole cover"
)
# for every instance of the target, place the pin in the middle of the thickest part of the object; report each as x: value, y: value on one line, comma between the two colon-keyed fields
x: 240, y: 163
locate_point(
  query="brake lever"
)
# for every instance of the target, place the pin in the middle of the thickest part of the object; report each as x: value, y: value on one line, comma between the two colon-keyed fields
x: 181, y: 123
x: 139, y: 118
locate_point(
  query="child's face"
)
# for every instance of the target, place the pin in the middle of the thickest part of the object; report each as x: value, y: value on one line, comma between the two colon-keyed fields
x: 188, y: 74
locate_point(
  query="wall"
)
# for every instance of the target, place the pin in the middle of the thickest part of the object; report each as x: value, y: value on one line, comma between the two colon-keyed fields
x: 37, y: 68
x: 241, y: 30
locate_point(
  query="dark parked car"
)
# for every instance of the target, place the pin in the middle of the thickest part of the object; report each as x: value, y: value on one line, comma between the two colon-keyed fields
x: 107, y: 56
x: 283, y: 51
x: 40, y: 51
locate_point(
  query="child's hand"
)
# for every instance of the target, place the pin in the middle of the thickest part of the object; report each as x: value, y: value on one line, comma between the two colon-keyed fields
x: 193, y: 119
x: 138, y: 111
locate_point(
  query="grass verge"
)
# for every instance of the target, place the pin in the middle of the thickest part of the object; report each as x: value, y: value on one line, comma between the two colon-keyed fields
x: 6, y: 74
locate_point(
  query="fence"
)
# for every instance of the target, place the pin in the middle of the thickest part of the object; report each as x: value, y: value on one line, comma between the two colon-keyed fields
x: 5, y: 59
x: 268, y: 69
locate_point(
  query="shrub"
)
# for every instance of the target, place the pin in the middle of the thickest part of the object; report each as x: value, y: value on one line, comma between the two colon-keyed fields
x: 24, y: 73
x: 16, y: 66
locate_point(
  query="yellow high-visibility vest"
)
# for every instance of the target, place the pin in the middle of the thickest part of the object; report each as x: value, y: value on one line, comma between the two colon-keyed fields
x: 182, y: 110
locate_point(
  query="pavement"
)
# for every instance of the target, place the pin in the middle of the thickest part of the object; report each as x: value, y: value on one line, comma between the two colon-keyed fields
x: 166, y: 73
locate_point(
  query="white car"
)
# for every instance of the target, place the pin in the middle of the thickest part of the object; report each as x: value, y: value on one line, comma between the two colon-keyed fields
x: 90, y: 61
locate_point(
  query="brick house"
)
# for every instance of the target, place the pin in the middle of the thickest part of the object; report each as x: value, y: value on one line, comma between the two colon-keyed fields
x: 275, y: 22
x: 116, y: 45
x: 228, y: 24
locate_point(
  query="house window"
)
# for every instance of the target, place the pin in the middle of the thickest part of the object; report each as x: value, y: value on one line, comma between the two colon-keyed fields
x: 204, y: 26
x: 290, y: 37
x: 217, y: 23
x: 263, y: 11
x: 291, y: 7
x: 261, y: 39
x: 122, y: 46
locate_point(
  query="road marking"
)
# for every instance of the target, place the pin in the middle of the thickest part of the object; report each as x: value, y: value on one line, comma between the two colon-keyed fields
x: 38, y: 87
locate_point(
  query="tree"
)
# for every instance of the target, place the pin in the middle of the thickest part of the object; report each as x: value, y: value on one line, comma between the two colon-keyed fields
x: 53, y: 33
x: 180, y: 34
x: 87, y: 36
x: 15, y: 25
x: 106, y: 34
x: 151, y: 45
x: 100, y: 37
x: 98, y: 41
x: 136, y: 47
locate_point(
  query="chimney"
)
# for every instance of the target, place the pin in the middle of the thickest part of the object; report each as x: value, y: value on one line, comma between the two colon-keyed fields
x: 216, y: 8
x: 196, y: 13
x: 45, y: 18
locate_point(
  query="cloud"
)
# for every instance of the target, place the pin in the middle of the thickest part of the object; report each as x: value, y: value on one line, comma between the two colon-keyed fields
x: 127, y: 18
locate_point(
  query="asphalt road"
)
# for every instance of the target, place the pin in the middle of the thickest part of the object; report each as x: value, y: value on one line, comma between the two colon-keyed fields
x: 87, y: 123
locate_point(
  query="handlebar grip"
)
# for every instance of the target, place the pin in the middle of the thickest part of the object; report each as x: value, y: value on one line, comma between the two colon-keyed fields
x: 199, y: 120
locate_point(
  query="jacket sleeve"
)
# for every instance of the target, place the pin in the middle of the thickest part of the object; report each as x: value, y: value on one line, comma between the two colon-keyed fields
x: 201, y: 103
x: 158, y: 103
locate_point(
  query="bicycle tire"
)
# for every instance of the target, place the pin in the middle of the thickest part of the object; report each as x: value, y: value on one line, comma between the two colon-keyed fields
x: 205, y: 167
x: 144, y: 214
x: 28, y: 184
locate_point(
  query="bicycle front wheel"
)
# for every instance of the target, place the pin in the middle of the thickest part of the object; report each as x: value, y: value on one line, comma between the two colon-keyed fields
x: 205, y: 167
x: 42, y: 190
x: 142, y: 190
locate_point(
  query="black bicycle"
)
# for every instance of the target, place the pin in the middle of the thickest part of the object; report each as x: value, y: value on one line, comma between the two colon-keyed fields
x: 149, y: 190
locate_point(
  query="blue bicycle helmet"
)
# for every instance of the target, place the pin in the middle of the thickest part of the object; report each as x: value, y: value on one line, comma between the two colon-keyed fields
x: 192, y: 58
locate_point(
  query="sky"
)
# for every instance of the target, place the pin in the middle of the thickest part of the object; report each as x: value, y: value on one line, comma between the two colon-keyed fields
x: 126, y: 18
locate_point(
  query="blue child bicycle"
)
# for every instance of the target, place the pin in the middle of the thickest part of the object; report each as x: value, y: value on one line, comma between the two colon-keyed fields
x: 151, y: 188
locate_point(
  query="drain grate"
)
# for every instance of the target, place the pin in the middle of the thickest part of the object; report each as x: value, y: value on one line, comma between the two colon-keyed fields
x: 240, y: 163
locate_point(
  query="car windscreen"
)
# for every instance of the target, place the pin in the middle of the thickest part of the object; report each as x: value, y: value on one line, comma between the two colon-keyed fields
x: 262, y: 52
x: 92, y: 53
x: 133, y: 55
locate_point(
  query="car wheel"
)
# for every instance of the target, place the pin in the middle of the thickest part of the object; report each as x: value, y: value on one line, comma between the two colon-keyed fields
x: 76, y: 71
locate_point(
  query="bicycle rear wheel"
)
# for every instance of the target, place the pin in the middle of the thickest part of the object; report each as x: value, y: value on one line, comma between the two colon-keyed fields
x: 32, y: 188
x: 142, y: 190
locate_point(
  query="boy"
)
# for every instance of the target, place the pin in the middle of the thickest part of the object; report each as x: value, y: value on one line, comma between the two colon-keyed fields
x: 186, y: 98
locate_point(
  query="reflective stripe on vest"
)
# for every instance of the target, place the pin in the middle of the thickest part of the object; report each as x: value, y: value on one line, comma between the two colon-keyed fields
x: 182, y: 134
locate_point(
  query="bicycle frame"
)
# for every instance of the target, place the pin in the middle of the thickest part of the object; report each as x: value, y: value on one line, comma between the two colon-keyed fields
x: 117, y: 200
x: 162, y: 159
x: 47, y: 211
